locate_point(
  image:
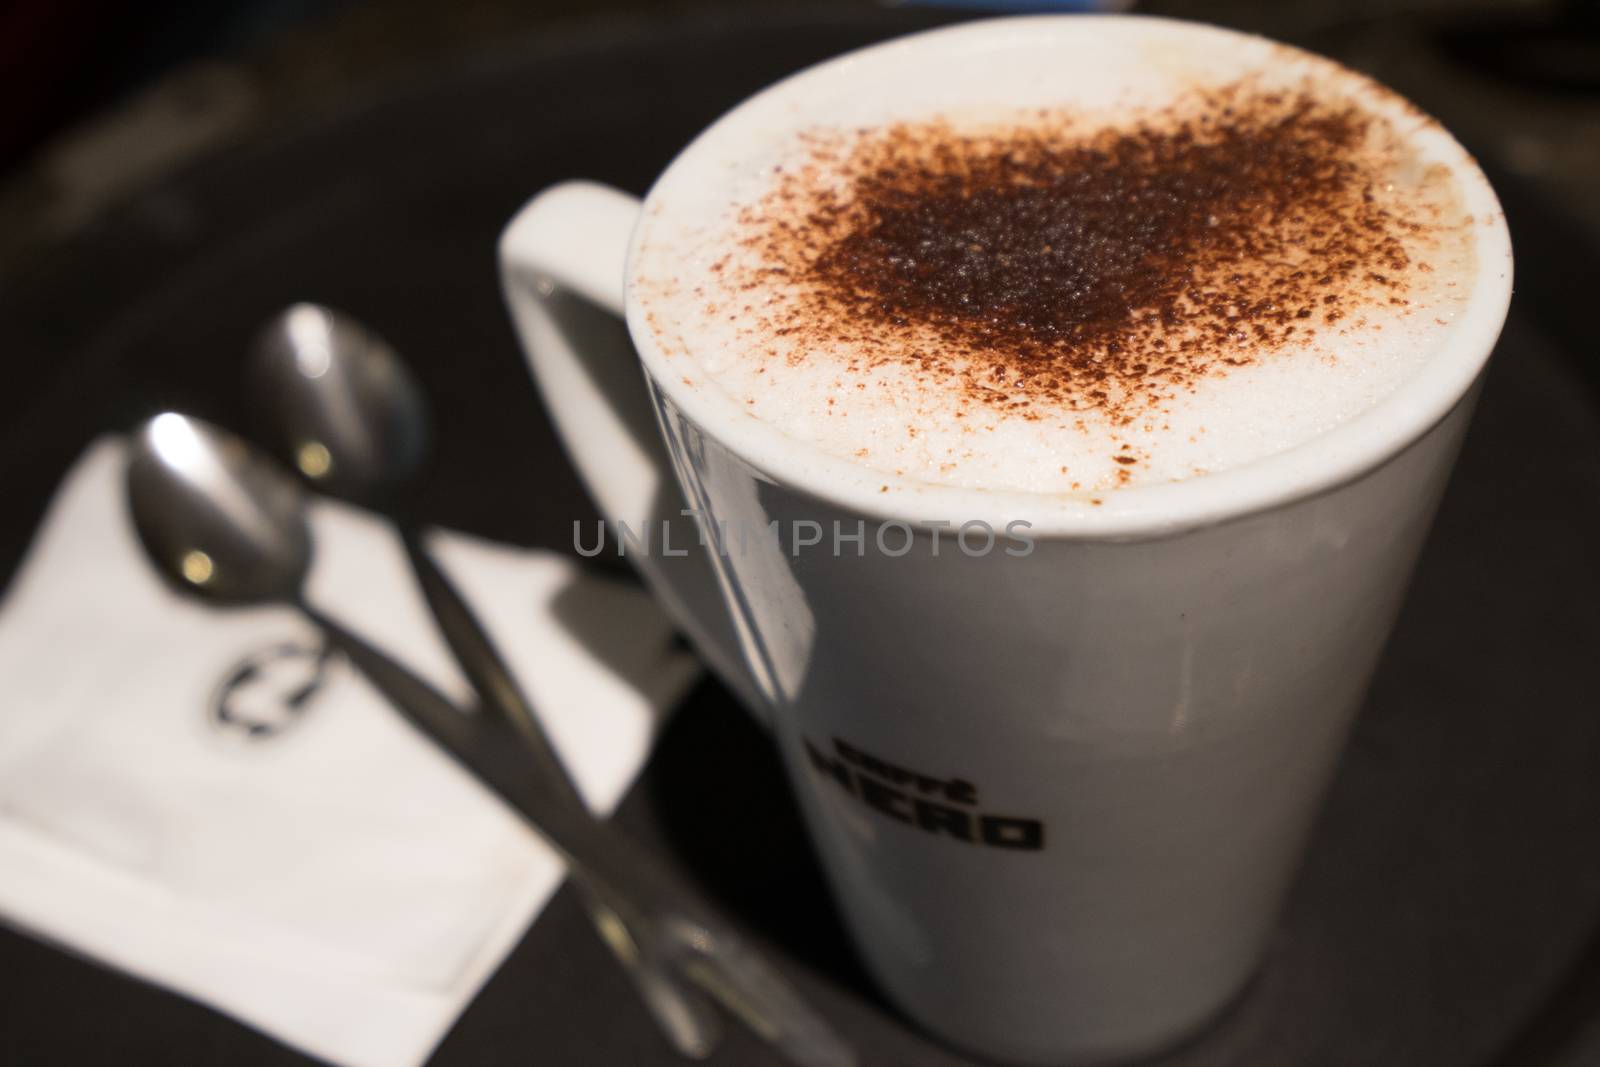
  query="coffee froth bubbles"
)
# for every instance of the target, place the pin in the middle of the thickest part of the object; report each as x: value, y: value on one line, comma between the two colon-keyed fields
x: 1141, y: 262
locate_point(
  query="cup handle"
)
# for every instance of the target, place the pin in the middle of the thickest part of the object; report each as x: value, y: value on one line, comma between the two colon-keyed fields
x: 562, y: 261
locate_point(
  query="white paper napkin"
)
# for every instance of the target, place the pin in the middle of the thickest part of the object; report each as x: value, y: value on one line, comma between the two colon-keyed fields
x: 282, y: 846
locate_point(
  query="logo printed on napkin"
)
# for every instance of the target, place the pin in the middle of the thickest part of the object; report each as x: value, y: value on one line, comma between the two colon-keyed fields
x: 268, y: 691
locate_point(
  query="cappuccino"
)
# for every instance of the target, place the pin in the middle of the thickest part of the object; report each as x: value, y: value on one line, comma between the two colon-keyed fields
x: 1134, y: 256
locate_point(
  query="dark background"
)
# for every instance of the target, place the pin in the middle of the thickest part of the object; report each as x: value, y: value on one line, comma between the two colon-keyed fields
x: 170, y: 174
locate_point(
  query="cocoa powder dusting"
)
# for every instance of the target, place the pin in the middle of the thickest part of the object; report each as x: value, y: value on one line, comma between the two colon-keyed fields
x: 1035, y: 262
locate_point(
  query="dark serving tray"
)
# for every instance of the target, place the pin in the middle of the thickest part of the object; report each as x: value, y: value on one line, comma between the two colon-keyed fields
x: 1447, y: 910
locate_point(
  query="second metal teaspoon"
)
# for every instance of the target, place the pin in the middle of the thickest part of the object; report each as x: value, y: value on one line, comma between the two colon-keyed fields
x: 352, y: 420
x: 223, y: 522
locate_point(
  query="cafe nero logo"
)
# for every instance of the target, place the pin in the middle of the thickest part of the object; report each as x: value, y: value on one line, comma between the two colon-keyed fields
x: 946, y: 807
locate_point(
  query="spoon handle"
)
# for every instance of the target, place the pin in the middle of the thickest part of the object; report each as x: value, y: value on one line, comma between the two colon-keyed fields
x: 686, y: 1020
x: 702, y: 947
x: 682, y: 1012
x: 481, y: 662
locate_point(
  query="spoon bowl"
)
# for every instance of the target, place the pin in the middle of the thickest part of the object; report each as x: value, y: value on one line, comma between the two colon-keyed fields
x: 350, y: 415
x: 217, y: 517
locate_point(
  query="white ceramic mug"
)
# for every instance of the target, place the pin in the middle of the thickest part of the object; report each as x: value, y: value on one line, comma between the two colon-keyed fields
x: 1059, y: 794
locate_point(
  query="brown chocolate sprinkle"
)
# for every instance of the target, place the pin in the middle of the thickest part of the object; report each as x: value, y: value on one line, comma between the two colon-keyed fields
x: 1039, y: 263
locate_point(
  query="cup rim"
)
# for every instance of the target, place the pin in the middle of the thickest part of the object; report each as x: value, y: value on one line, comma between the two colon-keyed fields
x: 1319, y: 464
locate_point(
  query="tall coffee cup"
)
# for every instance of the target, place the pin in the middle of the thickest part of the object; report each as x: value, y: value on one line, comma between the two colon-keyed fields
x: 1038, y: 423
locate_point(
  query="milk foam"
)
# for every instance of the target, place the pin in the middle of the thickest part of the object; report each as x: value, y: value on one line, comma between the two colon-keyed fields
x: 694, y: 265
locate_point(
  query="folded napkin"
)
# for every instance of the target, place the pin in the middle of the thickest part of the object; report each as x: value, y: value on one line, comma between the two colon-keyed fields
x: 206, y: 799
